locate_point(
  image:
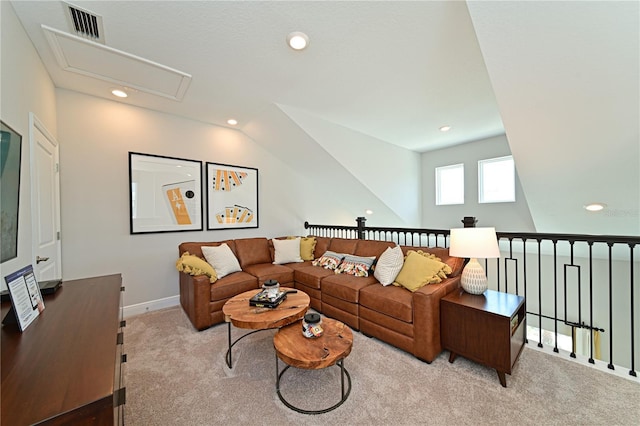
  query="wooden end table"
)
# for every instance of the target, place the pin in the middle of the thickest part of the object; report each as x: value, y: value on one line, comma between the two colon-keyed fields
x: 314, y: 353
x: 238, y: 312
x: 488, y: 328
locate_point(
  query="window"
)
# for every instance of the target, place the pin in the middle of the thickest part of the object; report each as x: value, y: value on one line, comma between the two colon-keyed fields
x: 496, y: 180
x: 450, y: 184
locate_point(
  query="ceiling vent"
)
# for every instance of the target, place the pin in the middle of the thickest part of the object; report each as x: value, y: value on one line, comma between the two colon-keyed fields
x: 84, y: 23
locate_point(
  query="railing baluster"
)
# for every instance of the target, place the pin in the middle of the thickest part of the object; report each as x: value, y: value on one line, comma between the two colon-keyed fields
x: 591, y: 333
x: 540, y: 291
x: 632, y: 372
x: 610, y: 365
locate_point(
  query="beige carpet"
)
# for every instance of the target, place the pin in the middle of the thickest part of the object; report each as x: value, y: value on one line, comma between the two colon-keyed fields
x: 177, y: 376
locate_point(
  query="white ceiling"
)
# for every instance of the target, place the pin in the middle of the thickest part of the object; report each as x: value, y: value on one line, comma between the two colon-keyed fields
x: 563, y: 77
x: 396, y: 71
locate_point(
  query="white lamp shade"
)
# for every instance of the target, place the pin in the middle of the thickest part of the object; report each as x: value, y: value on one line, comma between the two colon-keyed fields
x: 474, y: 243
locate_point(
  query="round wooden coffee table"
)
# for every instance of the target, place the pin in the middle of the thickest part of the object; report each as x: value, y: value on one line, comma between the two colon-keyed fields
x: 314, y: 353
x: 238, y: 312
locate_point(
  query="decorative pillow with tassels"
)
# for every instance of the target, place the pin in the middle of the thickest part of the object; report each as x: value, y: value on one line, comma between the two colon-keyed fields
x: 329, y: 260
x: 355, y: 265
x: 420, y: 269
x: 193, y: 265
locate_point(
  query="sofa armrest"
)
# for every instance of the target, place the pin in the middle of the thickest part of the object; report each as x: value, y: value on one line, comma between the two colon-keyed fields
x: 195, y: 295
x: 426, y: 317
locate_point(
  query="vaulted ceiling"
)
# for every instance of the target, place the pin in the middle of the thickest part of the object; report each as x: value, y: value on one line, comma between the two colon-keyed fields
x: 560, y: 78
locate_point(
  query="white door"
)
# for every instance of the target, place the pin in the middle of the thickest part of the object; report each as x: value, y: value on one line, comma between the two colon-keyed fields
x: 45, y: 202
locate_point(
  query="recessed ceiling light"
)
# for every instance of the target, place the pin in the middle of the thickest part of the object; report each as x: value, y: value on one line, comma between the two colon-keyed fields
x: 445, y: 128
x: 297, y: 40
x: 232, y: 121
x: 368, y: 212
x: 595, y: 207
x: 119, y: 93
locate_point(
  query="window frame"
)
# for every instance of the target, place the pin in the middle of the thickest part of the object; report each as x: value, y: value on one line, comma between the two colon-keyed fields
x: 439, y: 191
x: 482, y: 199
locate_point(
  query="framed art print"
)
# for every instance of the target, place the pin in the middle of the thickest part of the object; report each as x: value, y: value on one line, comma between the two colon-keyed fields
x: 165, y: 194
x: 11, y: 152
x: 232, y: 197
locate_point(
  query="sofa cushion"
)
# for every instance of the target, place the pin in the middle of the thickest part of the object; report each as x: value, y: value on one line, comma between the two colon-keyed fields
x: 222, y: 259
x: 395, y: 302
x: 322, y: 245
x: 232, y: 285
x: 329, y: 260
x: 420, y: 269
x: 345, y: 287
x: 310, y: 275
x: 375, y: 248
x: 251, y: 251
x: 389, y: 265
x: 355, y: 265
x: 269, y: 271
x: 343, y: 245
x: 193, y: 265
x: 286, y: 251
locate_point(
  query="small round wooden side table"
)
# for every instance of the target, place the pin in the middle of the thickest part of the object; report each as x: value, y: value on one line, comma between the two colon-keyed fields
x: 238, y: 312
x: 331, y: 348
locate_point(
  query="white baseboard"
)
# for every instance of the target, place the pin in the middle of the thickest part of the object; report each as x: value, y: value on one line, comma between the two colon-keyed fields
x: 152, y: 305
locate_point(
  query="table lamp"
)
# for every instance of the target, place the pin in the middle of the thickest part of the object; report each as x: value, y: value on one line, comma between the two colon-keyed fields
x: 474, y: 243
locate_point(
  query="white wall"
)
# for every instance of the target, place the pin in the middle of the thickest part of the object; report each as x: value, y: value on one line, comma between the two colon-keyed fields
x: 504, y: 217
x: 95, y: 137
x: 25, y: 87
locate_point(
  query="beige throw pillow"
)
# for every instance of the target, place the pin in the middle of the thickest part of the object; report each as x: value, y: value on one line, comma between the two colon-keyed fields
x: 286, y: 251
x: 389, y: 265
x: 222, y: 259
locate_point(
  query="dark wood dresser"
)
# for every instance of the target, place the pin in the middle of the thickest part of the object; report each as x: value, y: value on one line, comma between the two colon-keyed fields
x: 66, y: 367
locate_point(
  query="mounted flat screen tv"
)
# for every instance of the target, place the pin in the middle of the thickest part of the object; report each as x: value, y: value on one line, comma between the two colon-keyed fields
x: 10, y: 154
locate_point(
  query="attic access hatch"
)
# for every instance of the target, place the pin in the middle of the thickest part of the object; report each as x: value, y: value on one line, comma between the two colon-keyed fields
x: 86, y: 57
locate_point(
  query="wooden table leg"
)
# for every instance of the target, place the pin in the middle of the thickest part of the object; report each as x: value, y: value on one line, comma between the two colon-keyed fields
x: 452, y: 356
x: 503, y: 379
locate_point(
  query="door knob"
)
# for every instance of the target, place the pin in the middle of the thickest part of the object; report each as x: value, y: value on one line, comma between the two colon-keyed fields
x: 41, y: 259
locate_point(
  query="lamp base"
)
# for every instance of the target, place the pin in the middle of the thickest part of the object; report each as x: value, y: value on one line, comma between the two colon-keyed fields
x: 473, y: 279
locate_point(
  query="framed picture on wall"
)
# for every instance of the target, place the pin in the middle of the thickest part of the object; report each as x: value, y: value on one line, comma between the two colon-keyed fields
x: 232, y: 197
x: 165, y: 194
x: 10, y: 155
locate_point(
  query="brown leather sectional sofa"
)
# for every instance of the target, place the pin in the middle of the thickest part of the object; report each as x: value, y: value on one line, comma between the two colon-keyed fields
x: 409, y: 321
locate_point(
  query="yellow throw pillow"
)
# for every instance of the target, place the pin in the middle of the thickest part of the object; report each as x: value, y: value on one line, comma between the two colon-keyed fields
x: 193, y: 265
x: 307, y: 246
x: 420, y: 269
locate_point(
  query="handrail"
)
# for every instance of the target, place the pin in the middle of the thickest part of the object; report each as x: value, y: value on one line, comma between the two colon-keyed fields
x: 565, y: 292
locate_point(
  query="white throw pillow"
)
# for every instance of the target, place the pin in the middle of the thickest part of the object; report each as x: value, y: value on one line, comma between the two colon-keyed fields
x: 222, y: 259
x: 389, y: 265
x: 286, y: 251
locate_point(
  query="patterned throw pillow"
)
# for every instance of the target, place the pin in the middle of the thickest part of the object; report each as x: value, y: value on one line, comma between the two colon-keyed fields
x: 329, y: 260
x: 355, y: 265
x: 389, y: 265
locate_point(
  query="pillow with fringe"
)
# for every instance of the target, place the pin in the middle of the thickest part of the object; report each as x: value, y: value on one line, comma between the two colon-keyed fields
x: 193, y: 265
x: 329, y: 260
x: 420, y: 269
